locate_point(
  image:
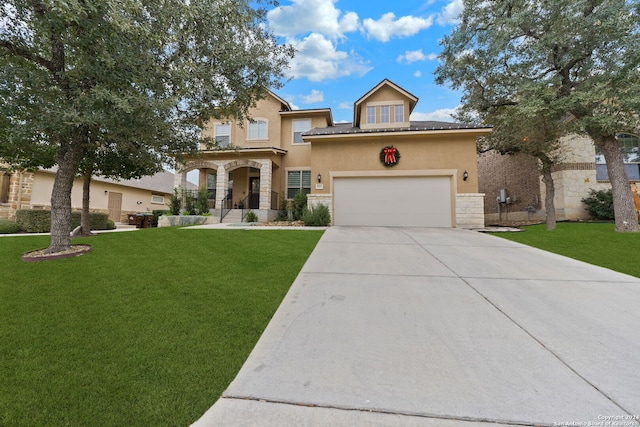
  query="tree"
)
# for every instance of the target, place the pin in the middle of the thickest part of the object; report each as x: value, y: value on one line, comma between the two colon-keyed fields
x: 517, y: 129
x: 581, y: 50
x: 141, y: 76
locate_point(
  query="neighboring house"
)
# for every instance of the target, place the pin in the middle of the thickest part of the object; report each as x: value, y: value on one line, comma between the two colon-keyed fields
x: 32, y: 190
x: 582, y: 168
x: 380, y: 170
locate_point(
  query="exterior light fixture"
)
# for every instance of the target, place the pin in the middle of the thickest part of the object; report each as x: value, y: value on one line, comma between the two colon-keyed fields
x: 465, y: 175
x: 106, y: 192
x: 319, y: 178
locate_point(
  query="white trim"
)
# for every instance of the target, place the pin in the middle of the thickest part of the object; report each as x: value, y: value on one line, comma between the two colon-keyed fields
x: 256, y: 120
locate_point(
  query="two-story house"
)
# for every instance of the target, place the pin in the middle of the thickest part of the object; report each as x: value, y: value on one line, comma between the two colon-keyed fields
x: 380, y: 170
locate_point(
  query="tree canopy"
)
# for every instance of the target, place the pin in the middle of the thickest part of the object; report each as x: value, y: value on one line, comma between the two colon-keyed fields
x: 83, y: 77
x: 581, y: 54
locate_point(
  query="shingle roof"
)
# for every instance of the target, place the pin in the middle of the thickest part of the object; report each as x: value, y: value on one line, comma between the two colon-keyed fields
x: 414, y: 126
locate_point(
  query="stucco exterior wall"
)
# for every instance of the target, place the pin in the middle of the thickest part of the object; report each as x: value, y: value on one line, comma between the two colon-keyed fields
x: 133, y: 199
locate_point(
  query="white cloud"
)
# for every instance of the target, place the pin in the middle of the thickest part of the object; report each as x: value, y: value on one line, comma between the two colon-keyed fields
x: 441, y: 115
x: 388, y: 26
x: 451, y: 12
x: 417, y: 74
x: 308, y: 16
x: 346, y: 105
x: 313, y: 97
x: 412, y: 56
x: 317, y: 59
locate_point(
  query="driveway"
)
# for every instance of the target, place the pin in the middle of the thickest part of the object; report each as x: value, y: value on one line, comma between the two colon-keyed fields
x: 442, y: 327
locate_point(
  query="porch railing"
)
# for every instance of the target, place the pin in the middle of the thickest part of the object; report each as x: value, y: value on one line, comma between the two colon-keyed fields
x: 225, y: 206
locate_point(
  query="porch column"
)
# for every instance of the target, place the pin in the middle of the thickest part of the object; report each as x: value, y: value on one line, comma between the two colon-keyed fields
x: 266, y: 178
x: 221, y: 185
x: 180, y: 180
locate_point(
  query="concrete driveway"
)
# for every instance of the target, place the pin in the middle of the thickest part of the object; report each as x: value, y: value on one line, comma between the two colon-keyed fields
x: 442, y: 327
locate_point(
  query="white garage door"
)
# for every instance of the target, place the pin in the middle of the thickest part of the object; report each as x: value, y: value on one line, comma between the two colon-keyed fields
x: 393, y: 201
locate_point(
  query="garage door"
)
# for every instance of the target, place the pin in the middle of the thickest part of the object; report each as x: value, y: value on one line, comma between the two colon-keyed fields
x: 393, y: 201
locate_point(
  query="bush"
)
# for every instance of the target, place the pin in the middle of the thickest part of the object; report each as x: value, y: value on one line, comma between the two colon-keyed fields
x: 8, y: 227
x: 251, y: 217
x: 36, y: 221
x: 97, y: 220
x: 175, y: 203
x: 157, y: 214
x: 283, y: 213
x: 299, y: 204
x: 600, y: 204
x: 317, y: 217
x: 202, y: 202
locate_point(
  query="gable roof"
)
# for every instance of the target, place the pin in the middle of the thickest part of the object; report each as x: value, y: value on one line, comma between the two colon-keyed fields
x: 413, y: 100
x: 285, y: 106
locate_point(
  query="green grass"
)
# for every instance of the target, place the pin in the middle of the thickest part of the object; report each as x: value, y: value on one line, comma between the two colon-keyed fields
x: 595, y: 243
x: 148, y: 329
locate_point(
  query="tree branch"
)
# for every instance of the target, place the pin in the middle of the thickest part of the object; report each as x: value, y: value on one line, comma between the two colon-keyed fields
x: 28, y: 55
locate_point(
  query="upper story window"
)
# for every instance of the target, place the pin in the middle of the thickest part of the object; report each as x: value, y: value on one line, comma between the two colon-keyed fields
x: 398, y: 113
x: 371, y: 114
x: 630, y: 149
x: 258, y: 129
x: 385, y: 116
x: 299, y: 127
x: 222, y: 134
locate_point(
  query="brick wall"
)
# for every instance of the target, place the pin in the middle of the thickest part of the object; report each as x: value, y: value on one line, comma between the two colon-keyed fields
x: 517, y: 173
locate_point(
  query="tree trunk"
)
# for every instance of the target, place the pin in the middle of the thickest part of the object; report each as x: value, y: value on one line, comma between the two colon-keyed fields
x: 549, y: 194
x: 85, y: 227
x: 623, y: 207
x: 68, y: 163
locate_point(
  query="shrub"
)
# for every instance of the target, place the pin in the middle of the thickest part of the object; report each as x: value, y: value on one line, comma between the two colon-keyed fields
x: 34, y: 221
x: 8, y: 227
x: 175, y: 203
x: 157, y: 214
x: 97, y: 220
x: 251, y: 217
x: 202, y: 202
x: 318, y: 216
x: 600, y: 204
x: 283, y: 213
x: 189, y: 205
x: 299, y: 204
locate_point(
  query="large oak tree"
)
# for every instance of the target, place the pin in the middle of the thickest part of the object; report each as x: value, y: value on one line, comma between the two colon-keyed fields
x: 584, y: 51
x: 77, y: 75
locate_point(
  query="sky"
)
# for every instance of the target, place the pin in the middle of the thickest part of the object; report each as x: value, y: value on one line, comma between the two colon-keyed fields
x: 346, y: 47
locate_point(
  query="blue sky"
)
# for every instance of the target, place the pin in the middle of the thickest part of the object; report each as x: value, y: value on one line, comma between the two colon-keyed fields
x: 345, y: 47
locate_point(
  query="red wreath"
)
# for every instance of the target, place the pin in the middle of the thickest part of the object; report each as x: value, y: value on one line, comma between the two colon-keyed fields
x: 389, y: 156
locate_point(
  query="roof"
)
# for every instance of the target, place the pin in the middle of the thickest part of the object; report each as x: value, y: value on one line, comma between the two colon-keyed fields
x: 414, y: 126
x: 162, y: 182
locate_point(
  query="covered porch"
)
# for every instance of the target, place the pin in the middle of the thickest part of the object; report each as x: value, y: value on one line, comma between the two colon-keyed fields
x: 239, y: 181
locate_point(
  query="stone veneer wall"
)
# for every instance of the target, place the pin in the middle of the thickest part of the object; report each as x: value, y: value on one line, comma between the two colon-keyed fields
x: 574, y: 177
x: 20, y: 189
x: 470, y: 210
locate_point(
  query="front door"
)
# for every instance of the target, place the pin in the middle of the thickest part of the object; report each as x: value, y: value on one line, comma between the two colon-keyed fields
x: 254, y: 193
x: 115, y: 206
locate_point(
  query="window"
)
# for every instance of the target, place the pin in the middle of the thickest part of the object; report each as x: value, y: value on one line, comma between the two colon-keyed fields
x: 258, y: 129
x: 371, y: 114
x: 630, y: 148
x: 296, y: 181
x: 222, y: 134
x: 384, y: 114
x: 156, y: 199
x: 398, y: 113
x: 299, y: 127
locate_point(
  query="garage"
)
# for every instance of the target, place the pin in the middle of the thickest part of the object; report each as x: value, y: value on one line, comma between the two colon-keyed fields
x: 403, y: 201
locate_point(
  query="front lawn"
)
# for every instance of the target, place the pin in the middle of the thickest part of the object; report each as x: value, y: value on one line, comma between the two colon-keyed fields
x: 595, y: 243
x: 148, y: 329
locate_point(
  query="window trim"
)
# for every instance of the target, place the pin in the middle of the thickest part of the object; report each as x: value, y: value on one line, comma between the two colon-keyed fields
x: 155, y: 202
x: 293, y: 131
x: 258, y: 121
x: 302, y: 172
x: 370, y: 111
x: 385, y: 113
x: 216, y: 126
x: 396, y: 108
